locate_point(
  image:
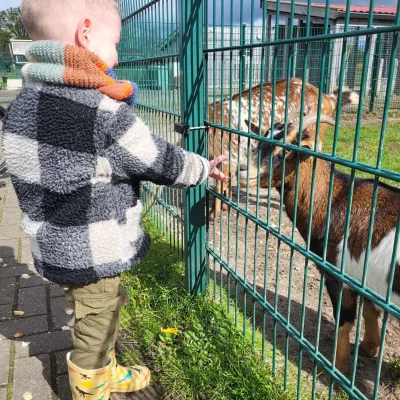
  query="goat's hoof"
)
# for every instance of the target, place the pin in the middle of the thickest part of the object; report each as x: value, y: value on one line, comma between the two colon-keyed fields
x: 342, y: 362
x: 225, y: 207
x: 342, y: 366
x: 368, y: 349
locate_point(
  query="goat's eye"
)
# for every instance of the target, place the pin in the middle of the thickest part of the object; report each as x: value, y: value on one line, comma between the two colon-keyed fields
x: 305, y: 135
x: 278, y: 135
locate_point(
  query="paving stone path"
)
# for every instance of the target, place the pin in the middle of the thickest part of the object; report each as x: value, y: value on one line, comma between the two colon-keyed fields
x: 32, y: 367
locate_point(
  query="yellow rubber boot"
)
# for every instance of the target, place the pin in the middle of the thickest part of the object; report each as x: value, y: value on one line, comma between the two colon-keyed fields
x: 126, y: 380
x: 91, y: 384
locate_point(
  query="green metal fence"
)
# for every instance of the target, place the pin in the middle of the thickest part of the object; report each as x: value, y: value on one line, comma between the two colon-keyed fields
x: 10, y: 76
x: 377, y: 77
x: 253, y: 255
x: 148, y: 57
x: 162, y: 37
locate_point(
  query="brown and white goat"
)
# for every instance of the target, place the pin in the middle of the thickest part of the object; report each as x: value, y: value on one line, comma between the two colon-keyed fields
x: 382, y: 246
x: 227, y: 111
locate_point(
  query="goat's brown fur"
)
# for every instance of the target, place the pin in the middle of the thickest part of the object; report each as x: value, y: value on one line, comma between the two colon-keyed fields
x: 386, y: 214
x: 385, y: 217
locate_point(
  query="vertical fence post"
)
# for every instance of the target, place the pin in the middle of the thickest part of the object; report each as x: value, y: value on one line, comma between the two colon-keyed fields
x: 192, y: 77
x: 396, y: 66
x: 352, y: 63
x: 329, y: 68
x: 375, y: 72
x: 243, y: 57
x: 268, y: 50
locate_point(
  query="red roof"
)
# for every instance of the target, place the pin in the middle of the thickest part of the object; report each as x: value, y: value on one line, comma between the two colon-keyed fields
x: 361, y: 9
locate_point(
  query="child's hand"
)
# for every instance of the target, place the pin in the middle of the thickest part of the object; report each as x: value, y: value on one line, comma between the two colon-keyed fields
x: 215, y: 172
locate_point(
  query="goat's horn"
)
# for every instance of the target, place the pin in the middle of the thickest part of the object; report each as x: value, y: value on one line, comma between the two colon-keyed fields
x: 312, y: 120
x: 291, y: 116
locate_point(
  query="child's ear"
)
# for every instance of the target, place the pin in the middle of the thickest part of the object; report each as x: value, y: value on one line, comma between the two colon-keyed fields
x: 83, y: 34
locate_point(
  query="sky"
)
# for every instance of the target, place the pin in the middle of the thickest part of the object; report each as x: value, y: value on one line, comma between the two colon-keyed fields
x: 9, y: 3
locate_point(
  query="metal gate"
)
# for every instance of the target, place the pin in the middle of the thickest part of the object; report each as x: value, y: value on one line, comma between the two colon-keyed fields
x: 258, y: 263
x: 10, y: 76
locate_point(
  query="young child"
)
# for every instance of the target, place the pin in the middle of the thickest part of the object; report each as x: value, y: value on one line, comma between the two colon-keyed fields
x: 77, y: 154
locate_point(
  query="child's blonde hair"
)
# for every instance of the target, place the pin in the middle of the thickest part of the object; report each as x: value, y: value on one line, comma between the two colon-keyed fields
x: 34, y: 13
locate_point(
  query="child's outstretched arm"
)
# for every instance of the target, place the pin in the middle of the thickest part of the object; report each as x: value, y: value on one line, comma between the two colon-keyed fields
x: 138, y: 155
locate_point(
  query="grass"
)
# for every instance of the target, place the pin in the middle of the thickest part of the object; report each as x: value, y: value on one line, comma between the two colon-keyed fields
x: 10, y: 75
x: 200, y: 355
x: 192, y: 345
x: 395, y: 369
x: 368, y: 148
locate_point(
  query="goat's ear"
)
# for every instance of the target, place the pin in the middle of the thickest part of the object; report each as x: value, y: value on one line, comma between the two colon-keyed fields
x: 254, y: 128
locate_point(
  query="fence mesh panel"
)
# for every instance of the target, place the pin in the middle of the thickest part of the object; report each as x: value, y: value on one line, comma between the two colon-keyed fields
x: 294, y: 247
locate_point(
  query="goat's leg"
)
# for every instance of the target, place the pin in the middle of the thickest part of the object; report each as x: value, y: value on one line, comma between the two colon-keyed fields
x: 227, y: 185
x: 343, y: 347
x: 348, y: 311
x: 372, y: 337
x: 217, y: 202
x: 225, y: 206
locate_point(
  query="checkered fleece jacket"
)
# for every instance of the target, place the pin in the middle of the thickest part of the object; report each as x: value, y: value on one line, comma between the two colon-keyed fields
x: 76, y: 159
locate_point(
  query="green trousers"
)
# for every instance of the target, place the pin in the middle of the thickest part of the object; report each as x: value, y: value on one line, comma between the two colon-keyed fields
x: 97, y: 316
